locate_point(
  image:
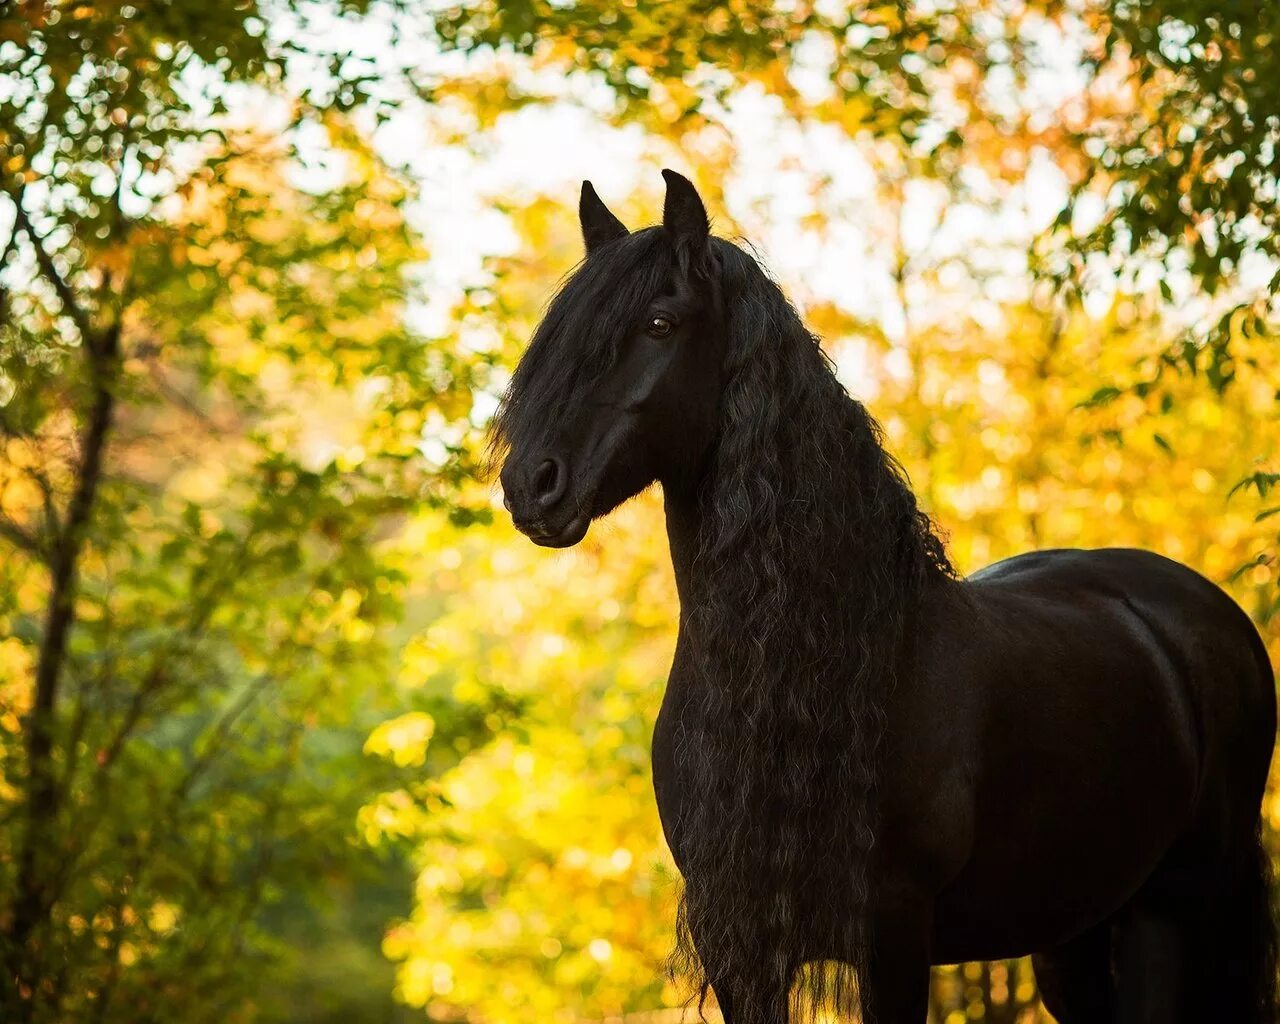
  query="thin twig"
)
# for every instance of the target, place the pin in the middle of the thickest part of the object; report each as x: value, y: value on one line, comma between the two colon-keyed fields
x: 19, y: 537
x: 50, y: 270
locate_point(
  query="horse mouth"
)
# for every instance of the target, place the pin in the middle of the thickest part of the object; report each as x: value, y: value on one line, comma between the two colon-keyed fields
x: 565, y: 537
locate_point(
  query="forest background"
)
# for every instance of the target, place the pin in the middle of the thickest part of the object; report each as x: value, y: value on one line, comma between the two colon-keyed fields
x: 293, y: 726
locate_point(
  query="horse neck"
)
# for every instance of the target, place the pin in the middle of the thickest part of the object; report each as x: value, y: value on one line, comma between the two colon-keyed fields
x: 839, y: 541
x: 684, y: 523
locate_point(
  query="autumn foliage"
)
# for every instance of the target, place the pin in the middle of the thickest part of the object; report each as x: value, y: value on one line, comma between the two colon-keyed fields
x: 293, y: 725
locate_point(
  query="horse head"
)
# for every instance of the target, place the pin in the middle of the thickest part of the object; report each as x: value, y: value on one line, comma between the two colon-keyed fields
x: 620, y: 384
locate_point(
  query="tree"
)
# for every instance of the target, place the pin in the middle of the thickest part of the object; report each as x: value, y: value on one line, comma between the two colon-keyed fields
x: 192, y: 583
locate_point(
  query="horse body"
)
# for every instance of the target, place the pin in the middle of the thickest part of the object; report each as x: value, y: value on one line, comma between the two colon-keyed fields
x: 862, y: 760
x: 1123, y: 725
x: 1082, y: 737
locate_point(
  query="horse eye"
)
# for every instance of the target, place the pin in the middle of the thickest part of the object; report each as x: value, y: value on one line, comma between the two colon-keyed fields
x: 660, y: 327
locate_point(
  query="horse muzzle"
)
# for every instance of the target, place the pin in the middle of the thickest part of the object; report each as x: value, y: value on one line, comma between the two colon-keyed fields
x: 538, y: 495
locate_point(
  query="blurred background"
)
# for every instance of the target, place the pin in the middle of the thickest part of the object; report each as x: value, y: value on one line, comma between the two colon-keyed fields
x: 293, y: 726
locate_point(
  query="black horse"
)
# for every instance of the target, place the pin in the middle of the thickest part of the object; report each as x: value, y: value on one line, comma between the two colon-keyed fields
x: 864, y: 764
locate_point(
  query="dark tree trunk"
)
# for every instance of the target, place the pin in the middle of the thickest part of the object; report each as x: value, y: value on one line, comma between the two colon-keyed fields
x: 31, y: 900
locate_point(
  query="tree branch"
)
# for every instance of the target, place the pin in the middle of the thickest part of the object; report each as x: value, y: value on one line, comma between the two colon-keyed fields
x: 19, y: 537
x: 52, y: 518
x: 219, y: 733
x: 50, y: 270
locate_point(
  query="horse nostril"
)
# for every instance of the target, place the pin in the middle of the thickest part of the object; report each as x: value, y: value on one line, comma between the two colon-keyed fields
x: 549, y: 481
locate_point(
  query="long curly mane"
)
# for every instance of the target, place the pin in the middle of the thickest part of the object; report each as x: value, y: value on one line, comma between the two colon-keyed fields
x: 812, y: 555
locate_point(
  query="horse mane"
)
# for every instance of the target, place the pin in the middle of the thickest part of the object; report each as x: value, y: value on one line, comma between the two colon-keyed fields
x: 811, y: 557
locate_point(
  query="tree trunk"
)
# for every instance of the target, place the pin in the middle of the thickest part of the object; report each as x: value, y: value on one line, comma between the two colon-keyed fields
x: 31, y: 901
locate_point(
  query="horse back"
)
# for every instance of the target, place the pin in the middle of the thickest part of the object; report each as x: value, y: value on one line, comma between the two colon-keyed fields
x: 1128, y: 612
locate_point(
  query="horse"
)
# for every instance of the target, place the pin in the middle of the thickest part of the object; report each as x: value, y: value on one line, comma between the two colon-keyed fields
x: 864, y: 763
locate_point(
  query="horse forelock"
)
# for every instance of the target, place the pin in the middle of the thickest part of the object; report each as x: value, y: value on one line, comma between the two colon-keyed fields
x: 579, y: 335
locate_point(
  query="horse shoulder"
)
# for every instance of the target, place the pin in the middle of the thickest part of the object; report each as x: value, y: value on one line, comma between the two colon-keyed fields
x: 931, y: 756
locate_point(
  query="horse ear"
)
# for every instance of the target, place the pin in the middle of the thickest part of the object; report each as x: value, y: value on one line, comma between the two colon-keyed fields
x: 683, y: 214
x: 598, y: 224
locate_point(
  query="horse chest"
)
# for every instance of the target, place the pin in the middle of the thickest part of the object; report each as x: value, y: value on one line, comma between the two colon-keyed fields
x: 670, y: 766
x: 677, y: 754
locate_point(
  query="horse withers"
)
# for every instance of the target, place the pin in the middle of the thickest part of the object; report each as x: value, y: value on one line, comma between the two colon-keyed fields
x: 865, y: 764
